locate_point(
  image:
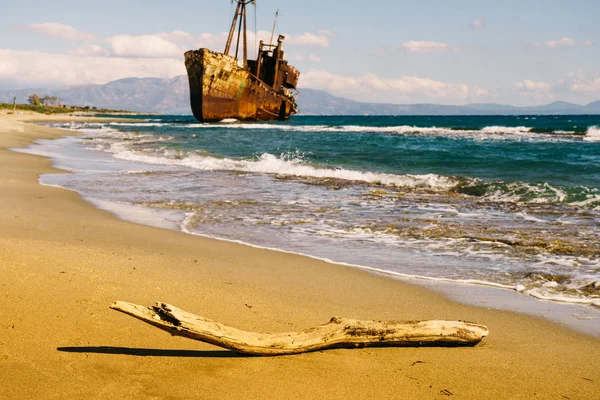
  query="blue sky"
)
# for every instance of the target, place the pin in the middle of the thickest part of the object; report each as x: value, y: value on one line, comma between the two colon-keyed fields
x: 453, y: 52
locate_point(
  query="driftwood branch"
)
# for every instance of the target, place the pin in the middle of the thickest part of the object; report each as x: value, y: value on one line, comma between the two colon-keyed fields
x: 338, y: 333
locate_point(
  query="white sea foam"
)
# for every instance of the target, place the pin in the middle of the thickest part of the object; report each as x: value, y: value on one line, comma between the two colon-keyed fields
x: 185, y: 227
x: 535, y: 292
x: 401, y: 129
x: 485, y: 133
x: 542, y: 294
x: 530, y: 218
x: 592, y: 134
x: 489, y: 132
x: 521, y: 192
x: 146, y: 124
x: 515, y: 192
x: 320, y: 128
x: 519, y: 130
x: 270, y: 164
x: 361, y: 128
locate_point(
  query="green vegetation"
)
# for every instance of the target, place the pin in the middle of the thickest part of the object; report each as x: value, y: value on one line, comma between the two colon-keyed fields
x: 53, y: 105
x: 35, y: 100
x: 49, y: 109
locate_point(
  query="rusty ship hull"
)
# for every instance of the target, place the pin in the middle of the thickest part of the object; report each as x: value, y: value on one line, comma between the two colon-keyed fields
x: 221, y: 89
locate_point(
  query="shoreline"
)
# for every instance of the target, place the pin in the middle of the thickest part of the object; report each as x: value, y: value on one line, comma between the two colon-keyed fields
x: 581, y: 317
x: 580, y: 314
x: 63, y: 265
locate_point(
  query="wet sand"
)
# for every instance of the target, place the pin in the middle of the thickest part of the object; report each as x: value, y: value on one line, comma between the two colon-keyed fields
x: 63, y: 262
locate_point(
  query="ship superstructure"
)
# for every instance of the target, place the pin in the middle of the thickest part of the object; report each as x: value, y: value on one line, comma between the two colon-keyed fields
x: 223, y: 86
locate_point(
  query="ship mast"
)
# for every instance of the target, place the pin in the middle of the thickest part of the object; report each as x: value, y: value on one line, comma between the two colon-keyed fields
x: 240, y: 12
x: 274, y: 26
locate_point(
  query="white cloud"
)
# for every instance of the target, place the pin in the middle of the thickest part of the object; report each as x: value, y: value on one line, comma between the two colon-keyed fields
x: 314, y: 58
x: 187, y: 41
x: 328, y: 81
x: 260, y: 35
x: 143, y: 46
x: 121, y: 56
x: 415, y: 46
x: 532, y: 86
x: 174, y: 44
x: 481, y: 92
x: 177, y: 36
x: 54, y: 29
x: 536, y: 90
x: 580, y: 82
x: 92, y: 50
x: 37, y: 68
x: 562, y: 42
x: 370, y: 87
x: 587, y: 86
x: 164, y: 44
x: 321, y: 39
x: 478, y: 23
x: 577, y: 86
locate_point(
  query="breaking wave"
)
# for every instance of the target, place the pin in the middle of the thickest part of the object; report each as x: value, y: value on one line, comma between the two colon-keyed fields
x: 498, y: 130
x: 125, y: 144
x: 399, y: 129
x: 295, y: 165
x: 521, y: 192
x: 492, y: 132
x: 593, y: 134
x: 289, y: 166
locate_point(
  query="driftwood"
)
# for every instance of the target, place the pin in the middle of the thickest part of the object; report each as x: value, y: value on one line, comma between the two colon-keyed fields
x: 338, y: 333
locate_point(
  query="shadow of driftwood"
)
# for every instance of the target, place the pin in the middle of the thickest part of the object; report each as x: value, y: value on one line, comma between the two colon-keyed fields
x: 153, y: 352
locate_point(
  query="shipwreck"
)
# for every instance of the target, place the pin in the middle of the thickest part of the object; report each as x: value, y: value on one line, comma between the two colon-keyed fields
x: 223, y: 87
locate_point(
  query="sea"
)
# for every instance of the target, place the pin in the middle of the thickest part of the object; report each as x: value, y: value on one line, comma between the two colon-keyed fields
x: 506, y: 202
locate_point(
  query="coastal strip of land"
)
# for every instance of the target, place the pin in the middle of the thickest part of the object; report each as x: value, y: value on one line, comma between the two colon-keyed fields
x: 63, y: 262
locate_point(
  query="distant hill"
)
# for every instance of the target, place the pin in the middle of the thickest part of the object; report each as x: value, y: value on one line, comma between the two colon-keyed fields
x: 166, y: 96
x: 171, y: 96
x: 312, y: 101
x: 593, y: 108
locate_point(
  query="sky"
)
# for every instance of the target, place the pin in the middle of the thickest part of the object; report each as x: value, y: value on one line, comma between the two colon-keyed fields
x: 526, y: 52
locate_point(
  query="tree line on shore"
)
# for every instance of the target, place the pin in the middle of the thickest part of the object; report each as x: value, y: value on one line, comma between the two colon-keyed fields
x: 36, y: 100
x: 52, y: 105
x: 54, y: 101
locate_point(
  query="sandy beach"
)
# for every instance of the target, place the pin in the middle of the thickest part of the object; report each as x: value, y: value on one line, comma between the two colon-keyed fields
x: 63, y: 262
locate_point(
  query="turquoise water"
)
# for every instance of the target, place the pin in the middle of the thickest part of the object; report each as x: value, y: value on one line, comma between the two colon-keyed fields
x: 494, y: 151
x: 512, y: 202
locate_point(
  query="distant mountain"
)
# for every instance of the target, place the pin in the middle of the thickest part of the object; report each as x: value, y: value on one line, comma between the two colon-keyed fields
x: 167, y: 96
x: 312, y: 101
x: 487, y: 108
x: 318, y: 102
x: 557, y: 107
x: 593, y: 108
x: 171, y: 96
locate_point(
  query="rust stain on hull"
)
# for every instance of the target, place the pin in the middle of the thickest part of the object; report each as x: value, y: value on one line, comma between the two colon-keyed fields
x: 220, y: 89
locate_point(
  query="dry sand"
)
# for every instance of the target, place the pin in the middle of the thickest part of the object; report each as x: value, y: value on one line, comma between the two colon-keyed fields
x: 63, y: 262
